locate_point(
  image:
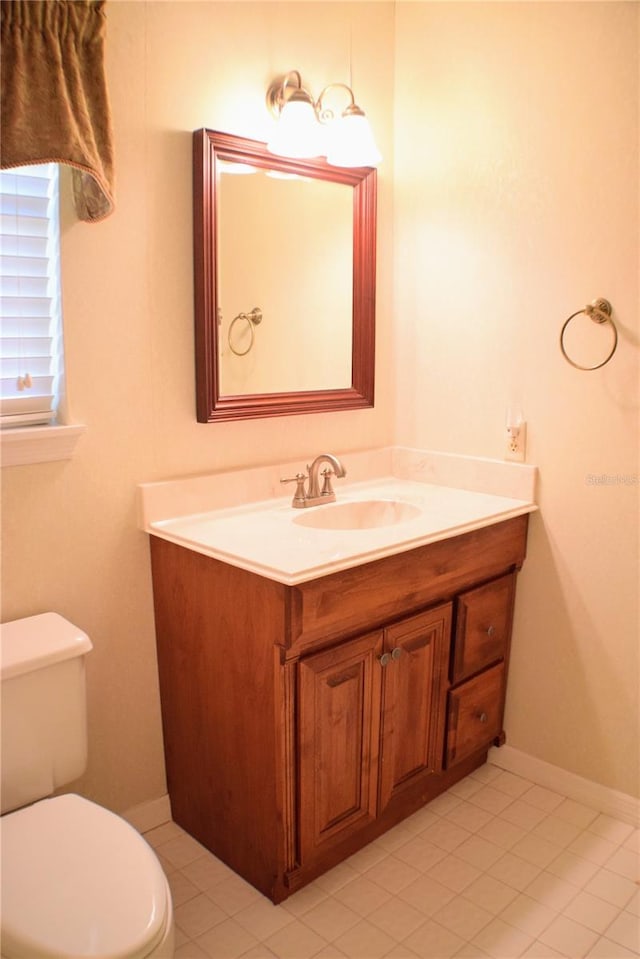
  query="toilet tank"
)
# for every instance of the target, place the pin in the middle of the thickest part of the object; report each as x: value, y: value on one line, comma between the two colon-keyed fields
x: 43, y: 704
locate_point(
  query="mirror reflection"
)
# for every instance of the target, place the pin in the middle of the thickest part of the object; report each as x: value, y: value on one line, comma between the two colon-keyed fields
x: 284, y: 254
x: 291, y: 260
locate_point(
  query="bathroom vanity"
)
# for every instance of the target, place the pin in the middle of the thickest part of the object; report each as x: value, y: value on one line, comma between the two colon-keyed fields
x: 304, y: 718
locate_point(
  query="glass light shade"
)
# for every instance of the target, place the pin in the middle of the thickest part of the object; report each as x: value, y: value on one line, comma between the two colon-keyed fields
x: 298, y: 133
x: 351, y: 142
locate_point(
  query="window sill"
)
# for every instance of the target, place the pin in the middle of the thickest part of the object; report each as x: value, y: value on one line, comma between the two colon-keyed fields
x: 38, y: 444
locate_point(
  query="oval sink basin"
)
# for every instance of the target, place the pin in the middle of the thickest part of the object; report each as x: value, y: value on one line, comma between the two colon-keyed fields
x: 364, y: 514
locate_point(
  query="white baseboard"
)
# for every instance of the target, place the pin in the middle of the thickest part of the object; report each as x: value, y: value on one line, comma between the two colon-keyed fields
x: 608, y: 801
x: 150, y: 814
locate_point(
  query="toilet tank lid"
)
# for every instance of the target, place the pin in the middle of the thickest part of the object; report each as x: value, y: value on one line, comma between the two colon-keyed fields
x: 37, y: 641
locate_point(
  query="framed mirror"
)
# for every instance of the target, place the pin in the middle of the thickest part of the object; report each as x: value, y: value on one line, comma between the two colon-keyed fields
x: 284, y: 270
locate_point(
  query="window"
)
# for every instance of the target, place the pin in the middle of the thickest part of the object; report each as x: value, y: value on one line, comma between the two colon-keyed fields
x: 30, y: 330
x: 31, y: 367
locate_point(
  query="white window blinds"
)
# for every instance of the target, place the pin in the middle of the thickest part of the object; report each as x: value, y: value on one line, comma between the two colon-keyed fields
x: 30, y: 328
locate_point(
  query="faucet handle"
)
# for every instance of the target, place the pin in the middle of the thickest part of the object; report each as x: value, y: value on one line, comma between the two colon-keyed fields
x: 299, y: 495
x: 327, y: 489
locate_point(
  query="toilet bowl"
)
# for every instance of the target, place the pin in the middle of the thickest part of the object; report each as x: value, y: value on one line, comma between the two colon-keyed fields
x: 78, y: 882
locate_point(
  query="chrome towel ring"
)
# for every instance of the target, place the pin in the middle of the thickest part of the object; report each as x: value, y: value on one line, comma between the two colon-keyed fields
x: 252, y: 319
x: 600, y: 312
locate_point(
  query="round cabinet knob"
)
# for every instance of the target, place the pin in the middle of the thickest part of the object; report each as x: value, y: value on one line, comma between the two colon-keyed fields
x: 396, y: 653
x: 483, y: 718
x: 491, y: 630
x: 385, y: 659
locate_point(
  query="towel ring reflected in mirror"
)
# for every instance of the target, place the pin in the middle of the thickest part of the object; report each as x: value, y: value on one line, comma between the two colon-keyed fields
x: 252, y: 320
x: 600, y: 312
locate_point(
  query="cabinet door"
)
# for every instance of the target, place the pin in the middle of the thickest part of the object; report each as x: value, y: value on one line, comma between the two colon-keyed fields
x: 414, y: 698
x: 339, y: 725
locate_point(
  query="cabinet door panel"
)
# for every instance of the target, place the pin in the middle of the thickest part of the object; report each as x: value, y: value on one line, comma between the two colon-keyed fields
x: 339, y: 709
x: 414, y: 693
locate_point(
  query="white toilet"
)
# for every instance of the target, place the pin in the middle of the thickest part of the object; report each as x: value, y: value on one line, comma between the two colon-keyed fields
x: 77, y: 880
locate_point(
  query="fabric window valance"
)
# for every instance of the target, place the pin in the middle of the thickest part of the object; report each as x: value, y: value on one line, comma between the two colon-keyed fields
x: 55, y: 106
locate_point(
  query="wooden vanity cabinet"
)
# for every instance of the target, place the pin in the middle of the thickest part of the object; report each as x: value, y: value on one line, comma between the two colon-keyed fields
x: 300, y: 722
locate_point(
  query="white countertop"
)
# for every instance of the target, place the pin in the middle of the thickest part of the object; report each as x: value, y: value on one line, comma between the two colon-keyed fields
x: 265, y: 537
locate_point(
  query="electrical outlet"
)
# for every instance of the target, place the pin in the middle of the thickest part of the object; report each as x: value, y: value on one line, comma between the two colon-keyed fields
x: 516, y: 445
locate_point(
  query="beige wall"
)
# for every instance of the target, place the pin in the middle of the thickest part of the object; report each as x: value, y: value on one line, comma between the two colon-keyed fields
x: 516, y: 203
x: 69, y: 540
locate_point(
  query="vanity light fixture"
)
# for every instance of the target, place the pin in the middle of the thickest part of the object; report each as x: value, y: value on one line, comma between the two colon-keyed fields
x: 297, y: 134
x: 310, y: 128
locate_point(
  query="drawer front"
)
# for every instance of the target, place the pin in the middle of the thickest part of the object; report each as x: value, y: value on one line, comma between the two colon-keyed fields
x: 474, y: 714
x: 483, y: 627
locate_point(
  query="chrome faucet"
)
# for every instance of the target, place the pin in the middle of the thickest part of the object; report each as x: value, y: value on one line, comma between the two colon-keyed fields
x: 313, y: 495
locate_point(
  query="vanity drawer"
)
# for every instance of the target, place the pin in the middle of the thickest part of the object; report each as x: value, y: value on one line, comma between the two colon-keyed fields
x: 483, y: 627
x: 474, y: 714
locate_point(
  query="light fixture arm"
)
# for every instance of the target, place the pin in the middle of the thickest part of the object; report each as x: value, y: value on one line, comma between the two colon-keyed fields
x: 326, y: 114
x: 289, y: 87
x: 284, y: 89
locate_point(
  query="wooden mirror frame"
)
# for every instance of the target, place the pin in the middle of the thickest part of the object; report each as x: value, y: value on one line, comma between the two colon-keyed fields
x: 209, y: 147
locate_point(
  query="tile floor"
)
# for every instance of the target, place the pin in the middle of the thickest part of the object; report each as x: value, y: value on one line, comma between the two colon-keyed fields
x: 497, y: 866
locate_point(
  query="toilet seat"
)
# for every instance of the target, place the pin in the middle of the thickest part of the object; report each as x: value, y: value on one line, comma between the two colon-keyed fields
x: 79, y: 881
